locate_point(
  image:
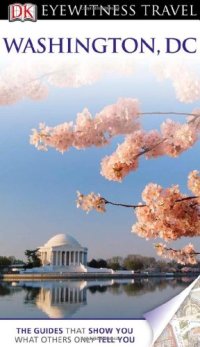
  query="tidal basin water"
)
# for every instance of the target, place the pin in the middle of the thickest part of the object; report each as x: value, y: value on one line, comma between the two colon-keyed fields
x: 87, y: 299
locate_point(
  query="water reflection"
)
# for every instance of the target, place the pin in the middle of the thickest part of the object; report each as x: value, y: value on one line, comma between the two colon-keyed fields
x: 63, y: 299
x: 55, y: 299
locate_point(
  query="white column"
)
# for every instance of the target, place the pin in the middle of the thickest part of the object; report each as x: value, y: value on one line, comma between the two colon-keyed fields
x: 60, y: 291
x: 51, y: 258
x: 60, y: 258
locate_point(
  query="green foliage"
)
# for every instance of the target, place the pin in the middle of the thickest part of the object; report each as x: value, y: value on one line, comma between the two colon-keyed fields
x: 115, y: 263
x: 133, y: 263
x: 93, y: 263
x: 33, y: 258
x: 5, y: 261
x: 136, y: 262
x: 97, y: 264
x: 114, y: 266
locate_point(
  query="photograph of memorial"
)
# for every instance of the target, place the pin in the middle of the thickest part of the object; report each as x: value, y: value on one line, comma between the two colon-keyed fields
x: 100, y: 187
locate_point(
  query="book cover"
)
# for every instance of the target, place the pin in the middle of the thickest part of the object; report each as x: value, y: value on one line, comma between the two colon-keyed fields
x: 100, y: 183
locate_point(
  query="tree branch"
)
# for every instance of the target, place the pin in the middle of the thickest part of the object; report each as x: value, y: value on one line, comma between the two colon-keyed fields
x: 187, y: 198
x: 144, y: 205
x: 168, y: 113
x: 146, y: 150
x: 178, y: 250
x: 123, y: 205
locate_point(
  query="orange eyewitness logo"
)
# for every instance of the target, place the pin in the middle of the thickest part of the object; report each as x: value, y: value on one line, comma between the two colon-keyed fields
x: 22, y: 12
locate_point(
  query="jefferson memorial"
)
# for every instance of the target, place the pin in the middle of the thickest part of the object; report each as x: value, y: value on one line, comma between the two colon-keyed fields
x: 61, y: 251
x: 64, y: 254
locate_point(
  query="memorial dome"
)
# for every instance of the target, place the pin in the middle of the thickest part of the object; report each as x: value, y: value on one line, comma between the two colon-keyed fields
x: 62, y: 240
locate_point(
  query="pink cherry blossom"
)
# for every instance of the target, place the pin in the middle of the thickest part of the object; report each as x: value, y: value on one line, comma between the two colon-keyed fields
x: 88, y: 131
x: 60, y: 137
x: 90, y: 202
x: 185, y: 80
x: 186, y: 255
x: 121, y: 118
x: 21, y: 82
x: 194, y: 183
x: 168, y: 214
x: 124, y: 160
x: 179, y: 137
x: 173, y: 140
x: 187, y: 87
x: 165, y: 213
x: 32, y: 80
x: 194, y: 120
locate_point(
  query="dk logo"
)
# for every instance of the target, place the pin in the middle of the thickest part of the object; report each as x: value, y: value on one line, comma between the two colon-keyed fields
x: 22, y: 12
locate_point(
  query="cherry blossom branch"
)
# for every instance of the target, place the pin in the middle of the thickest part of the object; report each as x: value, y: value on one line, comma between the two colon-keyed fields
x: 146, y: 150
x: 92, y: 201
x: 173, y: 139
x: 186, y: 255
x: 168, y: 113
x: 121, y: 118
x: 177, y: 250
x: 188, y: 198
x: 122, y: 205
x: 165, y: 213
x: 144, y: 205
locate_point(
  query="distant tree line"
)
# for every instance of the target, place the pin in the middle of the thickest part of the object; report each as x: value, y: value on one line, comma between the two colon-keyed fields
x: 131, y: 262
x: 32, y: 256
x: 6, y: 262
x: 134, y: 262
